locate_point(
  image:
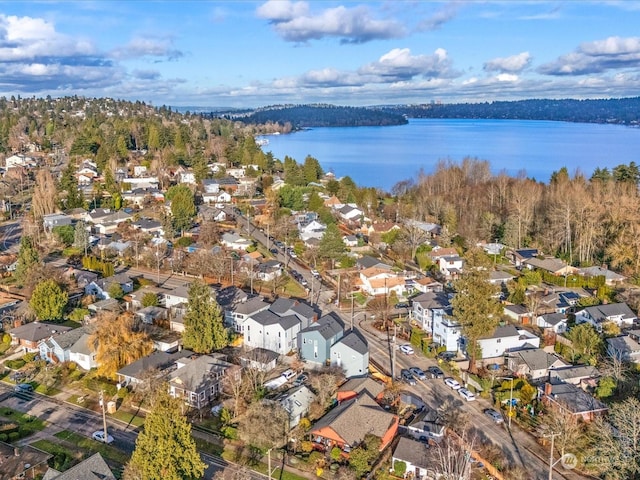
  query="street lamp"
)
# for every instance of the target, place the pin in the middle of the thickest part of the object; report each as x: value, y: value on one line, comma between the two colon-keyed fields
x: 510, y: 414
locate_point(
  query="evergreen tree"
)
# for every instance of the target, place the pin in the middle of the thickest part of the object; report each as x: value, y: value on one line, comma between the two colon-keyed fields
x: 27, y: 258
x: 69, y: 184
x: 331, y: 245
x: 183, y: 207
x: 81, y: 237
x: 165, y: 449
x: 204, y: 330
x: 48, y: 300
x: 474, y: 305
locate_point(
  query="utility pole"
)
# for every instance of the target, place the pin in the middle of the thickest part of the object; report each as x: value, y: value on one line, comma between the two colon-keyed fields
x: 553, y: 436
x: 393, y: 352
x: 104, y: 416
x: 352, y: 300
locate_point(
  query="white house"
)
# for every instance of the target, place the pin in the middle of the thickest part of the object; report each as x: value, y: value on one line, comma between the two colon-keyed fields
x: 19, y: 160
x: 618, y: 313
x: 504, y: 339
x: 450, y: 266
x: 624, y: 348
x: 239, y: 313
x: 428, y: 306
x: 235, y: 241
x: 379, y: 281
x: 554, y: 321
x: 296, y: 403
x: 188, y: 177
x: 270, y: 331
x: 313, y: 229
x: 415, y: 456
x: 100, y: 288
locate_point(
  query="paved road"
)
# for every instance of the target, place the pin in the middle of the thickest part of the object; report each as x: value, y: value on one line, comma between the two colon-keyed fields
x: 64, y: 416
x: 519, y: 447
x: 10, y: 234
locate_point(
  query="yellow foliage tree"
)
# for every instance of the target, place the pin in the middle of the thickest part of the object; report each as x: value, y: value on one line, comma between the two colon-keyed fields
x: 116, y: 343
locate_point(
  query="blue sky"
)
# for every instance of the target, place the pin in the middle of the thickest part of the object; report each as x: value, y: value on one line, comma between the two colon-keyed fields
x: 250, y: 54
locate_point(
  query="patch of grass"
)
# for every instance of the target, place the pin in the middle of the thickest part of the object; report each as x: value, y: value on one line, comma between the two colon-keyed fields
x: 91, y: 446
x: 28, y: 423
x: 208, y: 447
x: 128, y: 418
x: 49, y: 391
x: 71, y: 323
x: 4, y: 347
x: 63, y: 457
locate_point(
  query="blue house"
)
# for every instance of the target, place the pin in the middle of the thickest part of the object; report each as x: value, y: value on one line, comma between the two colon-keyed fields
x: 315, y: 341
x: 351, y: 353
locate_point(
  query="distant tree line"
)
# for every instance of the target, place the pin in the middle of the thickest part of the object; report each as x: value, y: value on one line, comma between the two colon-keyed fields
x: 624, y: 111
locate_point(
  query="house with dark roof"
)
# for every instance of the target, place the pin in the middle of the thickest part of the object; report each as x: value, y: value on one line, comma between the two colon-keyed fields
x: 277, y: 327
x: 236, y: 316
x: 259, y: 359
x: 92, y: 468
x: 153, y: 365
x: 611, y: 278
x: 368, y: 261
x: 351, y: 354
x: 518, y: 256
x: 416, y: 457
x: 425, y: 424
x: 56, y: 349
x: 555, y: 322
x: 574, y: 374
x: 555, y: 266
x: 346, y: 425
x: 198, y: 381
x: 572, y: 400
x: 432, y: 310
x: 505, y: 339
x: 314, y: 342
x: 269, y: 270
x: 100, y: 288
x: 21, y: 462
x: 533, y: 364
x: 30, y: 335
x: 558, y: 301
x: 597, y: 315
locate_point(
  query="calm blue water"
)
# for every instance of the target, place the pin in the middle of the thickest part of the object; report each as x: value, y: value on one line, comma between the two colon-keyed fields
x: 382, y: 156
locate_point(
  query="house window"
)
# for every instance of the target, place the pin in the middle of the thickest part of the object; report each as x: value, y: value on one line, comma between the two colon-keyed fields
x: 304, y: 341
x: 498, y: 340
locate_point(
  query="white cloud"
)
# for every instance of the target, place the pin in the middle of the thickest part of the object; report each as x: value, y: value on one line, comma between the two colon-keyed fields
x: 512, y: 64
x: 295, y: 22
x: 613, y: 53
x: 399, y: 64
x: 147, y: 47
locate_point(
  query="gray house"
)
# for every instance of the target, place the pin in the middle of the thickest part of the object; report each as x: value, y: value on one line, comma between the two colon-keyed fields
x: 351, y: 353
x: 315, y: 341
x: 296, y: 402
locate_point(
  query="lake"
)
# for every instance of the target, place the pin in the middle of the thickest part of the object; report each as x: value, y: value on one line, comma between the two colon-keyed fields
x: 382, y: 156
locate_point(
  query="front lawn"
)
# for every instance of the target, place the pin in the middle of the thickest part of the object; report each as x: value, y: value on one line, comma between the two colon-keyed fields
x: 128, y: 418
x: 28, y: 423
x: 92, y: 446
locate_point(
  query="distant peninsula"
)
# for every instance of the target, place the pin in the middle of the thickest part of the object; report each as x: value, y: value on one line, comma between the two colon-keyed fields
x: 623, y: 111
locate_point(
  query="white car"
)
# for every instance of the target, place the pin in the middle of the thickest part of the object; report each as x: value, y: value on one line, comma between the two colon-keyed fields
x: 315, y: 273
x: 288, y: 374
x: 406, y: 349
x: 466, y: 394
x: 452, y: 383
x: 98, y: 436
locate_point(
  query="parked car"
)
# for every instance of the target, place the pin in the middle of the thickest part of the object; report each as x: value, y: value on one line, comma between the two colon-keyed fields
x: 23, y: 388
x: 406, y: 349
x: 315, y: 273
x: 301, y: 379
x: 273, y: 250
x: 447, y: 356
x: 418, y: 373
x: 99, y: 437
x: 288, y: 374
x: 407, y: 377
x: 452, y: 383
x: 494, y: 415
x: 402, y: 305
x: 466, y: 394
x: 435, y: 372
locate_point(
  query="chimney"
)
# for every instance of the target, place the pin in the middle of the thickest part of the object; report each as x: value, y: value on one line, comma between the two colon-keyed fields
x: 548, y: 388
x: 16, y: 451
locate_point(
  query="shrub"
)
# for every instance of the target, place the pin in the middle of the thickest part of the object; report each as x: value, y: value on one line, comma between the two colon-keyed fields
x: 6, y: 338
x: 3, y: 437
x: 13, y: 436
x: 16, y: 364
x: 336, y: 453
x: 399, y: 468
x: 29, y: 357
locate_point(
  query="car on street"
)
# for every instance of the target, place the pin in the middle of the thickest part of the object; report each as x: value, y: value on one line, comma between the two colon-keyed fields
x: 406, y: 349
x: 468, y: 395
x: 407, y: 376
x: 23, y: 388
x: 452, y: 383
x: 494, y: 415
x: 315, y: 273
x: 273, y: 250
x: 418, y: 373
x: 402, y: 305
x: 98, y: 436
x: 435, y: 372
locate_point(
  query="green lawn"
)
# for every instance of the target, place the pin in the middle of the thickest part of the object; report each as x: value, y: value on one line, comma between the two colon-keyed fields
x: 128, y: 418
x: 28, y: 423
x: 91, y: 446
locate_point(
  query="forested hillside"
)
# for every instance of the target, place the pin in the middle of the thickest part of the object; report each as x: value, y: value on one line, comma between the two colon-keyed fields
x: 622, y: 110
x: 584, y: 220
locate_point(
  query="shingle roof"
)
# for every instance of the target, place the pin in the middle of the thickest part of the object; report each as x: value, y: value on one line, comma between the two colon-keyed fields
x: 328, y: 326
x: 355, y: 341
x: 536, y: 359
x: 36, y: 331
x: 156, y: 360
x: 354, y: 419
x: 252, y: 305
x: 93, y: 468
x: 195, y: 372
x: 503, y: 331
x: 362, y: 384
x: 67, y: 339
x: 413, y: 452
